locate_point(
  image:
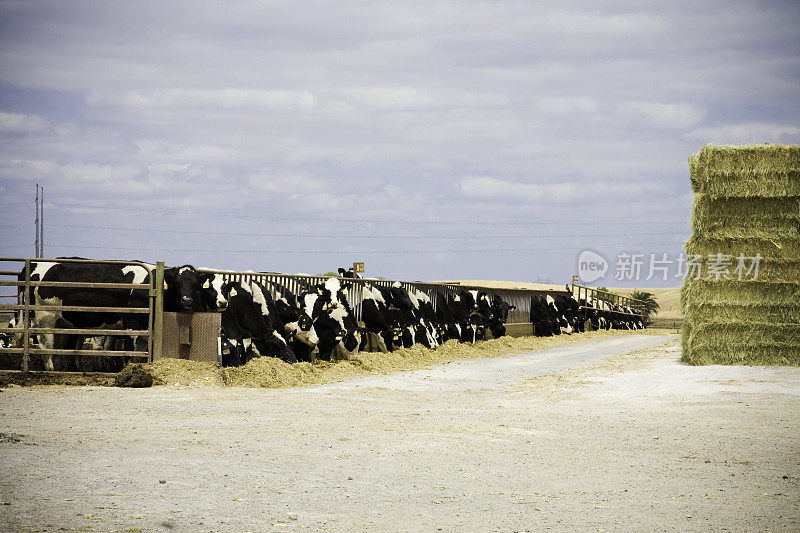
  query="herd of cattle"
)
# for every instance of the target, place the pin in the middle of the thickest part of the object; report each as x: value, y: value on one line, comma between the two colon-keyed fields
x: 265, y: 318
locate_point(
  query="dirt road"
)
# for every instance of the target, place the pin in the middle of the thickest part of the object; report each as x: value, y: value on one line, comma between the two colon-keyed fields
x: 577, y: 437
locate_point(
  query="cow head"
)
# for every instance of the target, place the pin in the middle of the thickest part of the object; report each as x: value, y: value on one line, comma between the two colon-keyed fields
x: 182, y: 288
x: 483, y: 306
x: 212, y: 295
x: 500, y: 308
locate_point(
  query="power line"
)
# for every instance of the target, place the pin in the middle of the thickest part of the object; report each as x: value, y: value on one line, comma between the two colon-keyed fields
x: 353, y: 220
x: 347, y: 235
x: 359, y: 252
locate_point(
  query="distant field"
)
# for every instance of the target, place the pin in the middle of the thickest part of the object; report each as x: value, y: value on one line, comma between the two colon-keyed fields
x: 668, y: 299
x: 490, y: 284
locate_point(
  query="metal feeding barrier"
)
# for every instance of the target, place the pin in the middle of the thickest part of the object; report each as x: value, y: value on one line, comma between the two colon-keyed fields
x: 25, y: 304
x: 354, y: 287
x: 596, y: 296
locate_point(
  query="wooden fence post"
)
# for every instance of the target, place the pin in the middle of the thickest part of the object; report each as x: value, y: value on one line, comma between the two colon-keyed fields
x: 158, y: 311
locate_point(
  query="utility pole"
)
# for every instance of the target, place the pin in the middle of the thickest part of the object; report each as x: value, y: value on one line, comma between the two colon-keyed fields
x: 36, y: 224
x: 41, y: 225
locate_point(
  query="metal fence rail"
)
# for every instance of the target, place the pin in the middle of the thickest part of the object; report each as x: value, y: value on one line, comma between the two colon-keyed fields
x: 25, y: 308
x: 588, y: 294
x: 296, y: 283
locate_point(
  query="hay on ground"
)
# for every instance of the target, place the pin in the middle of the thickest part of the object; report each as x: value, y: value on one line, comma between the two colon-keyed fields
x: 273, y: 373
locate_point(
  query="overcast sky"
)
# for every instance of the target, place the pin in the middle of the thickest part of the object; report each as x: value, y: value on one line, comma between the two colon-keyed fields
x: 432, y: 140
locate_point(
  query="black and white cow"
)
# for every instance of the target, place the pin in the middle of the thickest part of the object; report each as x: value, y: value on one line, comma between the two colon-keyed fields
x: 397, y: 313
x: 500, y: 310
x: 545, y: 316
x: 380, y: 333
x: 447, y: 318
x: 421, y: 318
x: 476, y: 312
x: 298, y: 326
x: 85, y: 297
x: 248, y: 329
x: 187, y: 289
x: 337, y: 330
x: 7, y: 339
x: 349, y: 273
x: 133, y: 273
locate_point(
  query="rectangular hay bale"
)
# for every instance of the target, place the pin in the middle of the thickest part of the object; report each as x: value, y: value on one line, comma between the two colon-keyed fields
x: 786, y: 249
x: 712, y: 216
x: 747, y: 201
x: 764, y: 171
x: 707, y: 313
x: 739, y: 293
x: 737, y: 355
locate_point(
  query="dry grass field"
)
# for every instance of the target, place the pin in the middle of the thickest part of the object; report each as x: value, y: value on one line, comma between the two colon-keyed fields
x: 490, y: 284
x: 668, y: 299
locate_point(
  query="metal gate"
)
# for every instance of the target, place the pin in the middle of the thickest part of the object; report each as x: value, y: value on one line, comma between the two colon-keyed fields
x: 25, y: 308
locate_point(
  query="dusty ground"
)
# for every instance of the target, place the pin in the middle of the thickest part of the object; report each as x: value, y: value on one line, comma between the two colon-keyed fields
x: 581, y: 436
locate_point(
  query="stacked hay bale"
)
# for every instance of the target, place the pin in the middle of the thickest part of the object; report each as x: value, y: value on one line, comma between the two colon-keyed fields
x: 747, y: 201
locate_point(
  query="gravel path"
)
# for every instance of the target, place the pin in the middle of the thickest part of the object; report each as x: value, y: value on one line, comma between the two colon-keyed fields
x: 577, y: 437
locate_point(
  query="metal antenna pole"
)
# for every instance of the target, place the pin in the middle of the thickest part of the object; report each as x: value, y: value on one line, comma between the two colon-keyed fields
x: 36, y: 223
x: 41, y: 227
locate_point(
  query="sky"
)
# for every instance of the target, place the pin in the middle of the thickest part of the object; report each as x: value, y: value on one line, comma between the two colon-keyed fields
x: 431, y: 140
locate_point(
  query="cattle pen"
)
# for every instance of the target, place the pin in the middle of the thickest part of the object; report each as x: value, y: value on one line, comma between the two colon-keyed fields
x: 24, y: 306
x: 23, y: 329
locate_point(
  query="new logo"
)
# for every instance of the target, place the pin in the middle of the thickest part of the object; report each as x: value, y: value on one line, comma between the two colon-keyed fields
x: 591, y: 266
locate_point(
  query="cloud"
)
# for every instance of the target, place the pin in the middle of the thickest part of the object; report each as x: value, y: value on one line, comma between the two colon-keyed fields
x: 755, y: 132
x: 228, y: 98
x: 391, y: 97
x: 567, y: 106
x: 20, y: 123
x: 291, y: 184
x: 27, y: 169
x: 666, y: 115
x: 593, y: 22
x: 487, y: 189
x: 453, y: 111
